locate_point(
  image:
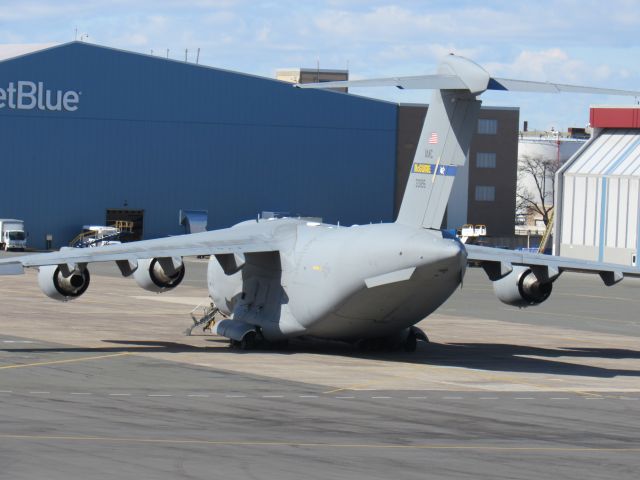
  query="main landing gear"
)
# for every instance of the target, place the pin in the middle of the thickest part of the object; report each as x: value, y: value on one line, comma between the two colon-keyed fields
x: 248, y: 342
x: 255, y: 340
x: 406, y: 341
x: 411, y: 343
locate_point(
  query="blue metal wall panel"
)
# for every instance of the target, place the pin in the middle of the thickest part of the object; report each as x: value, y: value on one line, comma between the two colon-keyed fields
x: 165, y: 135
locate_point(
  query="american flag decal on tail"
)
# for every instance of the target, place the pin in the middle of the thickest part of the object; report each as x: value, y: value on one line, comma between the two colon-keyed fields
x: 433, y: 139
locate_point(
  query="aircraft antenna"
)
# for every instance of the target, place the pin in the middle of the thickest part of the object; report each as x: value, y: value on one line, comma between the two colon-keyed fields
x: 198, y: 56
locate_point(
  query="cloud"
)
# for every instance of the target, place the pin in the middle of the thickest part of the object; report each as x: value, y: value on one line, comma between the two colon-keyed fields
x: 570, y: 41
x: 430, y: 52
x: 554, y: 65
x: 8, y: 50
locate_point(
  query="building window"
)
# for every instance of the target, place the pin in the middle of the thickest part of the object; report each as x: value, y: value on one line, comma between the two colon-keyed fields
x: 488, y: 126
x: 485, y: 193
x: 485, y: 160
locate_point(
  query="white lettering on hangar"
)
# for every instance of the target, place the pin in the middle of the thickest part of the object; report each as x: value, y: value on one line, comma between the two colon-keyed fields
x: 27, y: 95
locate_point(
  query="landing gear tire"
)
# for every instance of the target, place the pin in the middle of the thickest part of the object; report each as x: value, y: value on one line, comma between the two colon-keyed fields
x: 249, y: 341
x: 411, y: 343
x: 419, y: 334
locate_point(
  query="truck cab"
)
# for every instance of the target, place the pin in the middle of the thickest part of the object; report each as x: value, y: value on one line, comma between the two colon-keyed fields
x: 12, y: 235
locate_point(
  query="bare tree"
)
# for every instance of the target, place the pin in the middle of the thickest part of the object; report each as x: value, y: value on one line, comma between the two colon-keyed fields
x: 537, y: 185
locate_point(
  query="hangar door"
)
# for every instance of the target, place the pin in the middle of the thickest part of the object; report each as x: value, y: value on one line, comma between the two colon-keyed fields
x: 133, y: 219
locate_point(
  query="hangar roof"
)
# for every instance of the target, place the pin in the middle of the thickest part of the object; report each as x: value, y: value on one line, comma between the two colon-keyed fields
x: 615, y: 152
x: 15, y: 52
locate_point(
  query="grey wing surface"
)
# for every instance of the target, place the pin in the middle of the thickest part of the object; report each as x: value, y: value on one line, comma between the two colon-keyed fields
x: 498, y: 262
x: 230, y: 240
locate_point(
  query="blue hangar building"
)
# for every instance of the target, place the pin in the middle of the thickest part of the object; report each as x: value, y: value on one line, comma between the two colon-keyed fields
x: 91, y: 134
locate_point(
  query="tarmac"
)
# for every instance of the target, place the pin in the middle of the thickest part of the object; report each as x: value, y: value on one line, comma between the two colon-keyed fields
x: 108, y: 386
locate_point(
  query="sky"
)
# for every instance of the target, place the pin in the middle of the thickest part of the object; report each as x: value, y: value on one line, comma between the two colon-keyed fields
x: 566, y: 41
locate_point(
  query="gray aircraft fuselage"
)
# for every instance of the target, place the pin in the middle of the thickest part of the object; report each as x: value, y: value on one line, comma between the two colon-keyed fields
x: 347, y: 283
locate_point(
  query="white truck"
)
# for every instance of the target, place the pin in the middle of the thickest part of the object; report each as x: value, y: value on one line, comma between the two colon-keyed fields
x: 12, y: 234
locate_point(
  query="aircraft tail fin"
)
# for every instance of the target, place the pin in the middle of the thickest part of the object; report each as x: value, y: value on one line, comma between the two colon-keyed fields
x: 441, y: 152
x: 448, y: 127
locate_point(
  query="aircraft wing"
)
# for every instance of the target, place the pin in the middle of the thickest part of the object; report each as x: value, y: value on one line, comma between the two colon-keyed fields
x: 229, y: 240
x: 498, y: 262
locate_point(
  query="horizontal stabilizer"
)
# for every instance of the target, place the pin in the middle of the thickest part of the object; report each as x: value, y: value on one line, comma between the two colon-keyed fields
x: 547, y: 87
x: 428, y: 82
x: 459, y: 73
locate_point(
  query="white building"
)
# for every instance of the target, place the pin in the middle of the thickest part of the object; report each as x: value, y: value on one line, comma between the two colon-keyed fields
x: 597, y: 194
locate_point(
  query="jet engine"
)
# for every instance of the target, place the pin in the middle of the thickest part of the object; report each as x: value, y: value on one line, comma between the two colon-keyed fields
x: 61, y: 284
x: 159, y: 274
x: 521, y: 288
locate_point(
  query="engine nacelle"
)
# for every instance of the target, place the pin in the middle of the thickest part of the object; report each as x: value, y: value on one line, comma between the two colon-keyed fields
x: 159, y: 274
x: 55, y: 285
x: 521, y: 288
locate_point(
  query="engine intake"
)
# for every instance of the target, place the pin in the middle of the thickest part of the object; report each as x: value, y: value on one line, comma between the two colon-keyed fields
x: 159, y: 274
x: 521, y: 288
x: 56, y: 285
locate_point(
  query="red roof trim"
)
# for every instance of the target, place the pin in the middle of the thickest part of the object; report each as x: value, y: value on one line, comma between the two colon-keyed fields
x: 614, y: 117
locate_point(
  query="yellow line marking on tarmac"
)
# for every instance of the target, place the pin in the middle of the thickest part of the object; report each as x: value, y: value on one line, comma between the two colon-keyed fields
x: 357, y: 386
x: 257, y: 443
x: 69, y: 360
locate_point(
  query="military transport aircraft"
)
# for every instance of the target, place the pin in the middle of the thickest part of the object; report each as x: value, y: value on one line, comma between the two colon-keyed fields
x: 282, y: 278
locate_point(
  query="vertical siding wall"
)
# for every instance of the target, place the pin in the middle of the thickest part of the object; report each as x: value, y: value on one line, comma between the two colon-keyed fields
x: 600, y: 199
x: 163, y: 135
